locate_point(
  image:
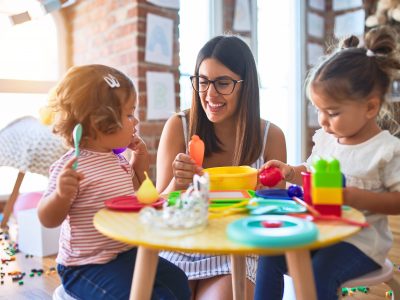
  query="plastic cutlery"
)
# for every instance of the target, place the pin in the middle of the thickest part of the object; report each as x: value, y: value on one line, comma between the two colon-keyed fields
x: 77, y: 135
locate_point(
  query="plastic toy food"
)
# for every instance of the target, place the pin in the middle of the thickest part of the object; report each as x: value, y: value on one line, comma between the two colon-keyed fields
x: 147, y: 192
x: 196, y: 150
x: 270, y: 176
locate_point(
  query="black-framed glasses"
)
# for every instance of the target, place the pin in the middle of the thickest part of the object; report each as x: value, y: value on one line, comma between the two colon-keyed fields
x: 223, y: 86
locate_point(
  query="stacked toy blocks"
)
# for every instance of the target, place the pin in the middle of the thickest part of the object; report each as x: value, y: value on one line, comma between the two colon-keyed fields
x: 327, y: 186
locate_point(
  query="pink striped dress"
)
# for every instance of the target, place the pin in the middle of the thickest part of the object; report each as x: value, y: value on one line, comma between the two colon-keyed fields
x: 107, y: 175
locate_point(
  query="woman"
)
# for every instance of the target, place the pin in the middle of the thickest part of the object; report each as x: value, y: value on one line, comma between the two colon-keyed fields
x: 225, y: 113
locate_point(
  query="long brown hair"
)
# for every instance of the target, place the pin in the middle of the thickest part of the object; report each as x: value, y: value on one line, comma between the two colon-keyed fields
x: 233, y: 53
x: 357, y: 73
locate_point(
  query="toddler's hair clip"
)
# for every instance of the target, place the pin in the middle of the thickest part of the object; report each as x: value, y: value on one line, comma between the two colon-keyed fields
x: 370, y: 53
x: 111, y: 81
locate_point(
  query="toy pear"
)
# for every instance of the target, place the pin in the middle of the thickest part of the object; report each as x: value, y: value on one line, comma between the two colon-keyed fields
x: 147, y: 192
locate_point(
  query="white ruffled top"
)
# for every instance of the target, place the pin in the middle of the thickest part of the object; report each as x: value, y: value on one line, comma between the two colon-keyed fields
x: 372, y: 165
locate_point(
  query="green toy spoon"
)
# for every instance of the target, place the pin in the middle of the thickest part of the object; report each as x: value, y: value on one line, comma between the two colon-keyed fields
x: 77, y: 135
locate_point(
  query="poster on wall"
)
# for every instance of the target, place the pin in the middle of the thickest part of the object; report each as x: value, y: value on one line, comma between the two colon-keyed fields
x: 241, y: 20
x: 174, y: 4
x: 160, y: 95
x: 159, y: 40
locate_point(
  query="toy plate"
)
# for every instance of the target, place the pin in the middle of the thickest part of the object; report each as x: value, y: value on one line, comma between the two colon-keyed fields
x: 130, y: 203
x: 292, y: 232
x: 219, y: 198
x: 282, y: 207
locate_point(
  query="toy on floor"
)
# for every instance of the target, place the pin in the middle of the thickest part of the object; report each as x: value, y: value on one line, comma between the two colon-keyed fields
x: 196, y: 150
x: 188, y: 215
x: 270, y: 176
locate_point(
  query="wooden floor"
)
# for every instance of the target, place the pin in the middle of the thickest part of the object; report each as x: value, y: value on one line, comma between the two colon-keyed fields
x: 42, y: 287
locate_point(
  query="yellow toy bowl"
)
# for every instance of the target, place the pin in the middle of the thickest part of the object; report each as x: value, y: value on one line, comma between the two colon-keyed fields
x: 232, y: 178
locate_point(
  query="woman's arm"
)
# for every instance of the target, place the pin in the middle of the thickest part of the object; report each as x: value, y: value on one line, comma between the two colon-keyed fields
x: 175, y: 169
x: 276, y: 147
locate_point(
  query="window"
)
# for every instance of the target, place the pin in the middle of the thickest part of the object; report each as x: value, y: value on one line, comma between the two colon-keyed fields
x: 279, y: 66
x: 199, y: 21
x: 31, y: 63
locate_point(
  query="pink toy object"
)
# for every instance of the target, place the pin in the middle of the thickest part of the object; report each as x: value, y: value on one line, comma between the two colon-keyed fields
x: 270, y: 176
x: 27, y: 201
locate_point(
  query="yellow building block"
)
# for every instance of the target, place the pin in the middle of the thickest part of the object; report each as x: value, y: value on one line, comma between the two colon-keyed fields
x: 332, y: 196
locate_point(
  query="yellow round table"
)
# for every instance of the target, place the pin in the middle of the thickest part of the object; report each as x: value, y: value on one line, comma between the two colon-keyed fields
x: 126, y: 227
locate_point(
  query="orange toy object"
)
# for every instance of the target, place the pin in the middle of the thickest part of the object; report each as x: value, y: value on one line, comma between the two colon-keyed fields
x: 196, y: 149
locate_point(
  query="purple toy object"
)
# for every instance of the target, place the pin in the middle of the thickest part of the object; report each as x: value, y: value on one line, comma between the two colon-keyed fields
x: 119, y: 150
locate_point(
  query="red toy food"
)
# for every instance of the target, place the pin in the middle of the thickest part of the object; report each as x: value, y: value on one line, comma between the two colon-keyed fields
x: 270, y: 176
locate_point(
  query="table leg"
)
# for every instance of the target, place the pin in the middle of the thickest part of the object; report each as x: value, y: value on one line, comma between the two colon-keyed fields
x: 238, y: 263
x: 300, y: 269
x: 144, y: 274
x: 11, y: 201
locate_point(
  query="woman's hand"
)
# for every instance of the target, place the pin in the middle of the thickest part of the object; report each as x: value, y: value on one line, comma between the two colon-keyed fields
x: 183, y: 169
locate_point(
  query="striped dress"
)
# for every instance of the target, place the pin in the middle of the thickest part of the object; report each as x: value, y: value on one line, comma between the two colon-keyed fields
x: 199, y: 266
x: 107, y: 175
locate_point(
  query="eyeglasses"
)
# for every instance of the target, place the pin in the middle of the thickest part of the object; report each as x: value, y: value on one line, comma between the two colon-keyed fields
x: 223, y: 86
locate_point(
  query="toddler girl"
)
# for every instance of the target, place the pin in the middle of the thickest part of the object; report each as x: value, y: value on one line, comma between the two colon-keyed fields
x: 349, y: 89
x: 92, y: 266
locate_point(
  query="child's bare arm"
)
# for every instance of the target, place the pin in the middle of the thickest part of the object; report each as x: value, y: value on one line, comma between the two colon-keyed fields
x: 387, y: 203
x: 53, y: 209
x: 139, y: 160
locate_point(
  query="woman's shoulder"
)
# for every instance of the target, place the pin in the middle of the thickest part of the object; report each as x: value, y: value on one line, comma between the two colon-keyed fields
x: 273, y: 130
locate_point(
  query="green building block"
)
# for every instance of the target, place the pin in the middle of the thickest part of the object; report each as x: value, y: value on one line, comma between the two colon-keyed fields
x: 326, y: 173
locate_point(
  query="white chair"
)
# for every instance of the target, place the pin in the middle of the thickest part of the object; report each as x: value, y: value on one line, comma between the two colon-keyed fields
x: 60, y: 294
x: 384, y: 275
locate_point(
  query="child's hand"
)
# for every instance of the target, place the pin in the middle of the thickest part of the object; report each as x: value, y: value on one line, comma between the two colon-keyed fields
x: 140, y: 157
x: 183, y: 169
x: 287, y: 171
x: 138, y: 146
x: 68, y: 182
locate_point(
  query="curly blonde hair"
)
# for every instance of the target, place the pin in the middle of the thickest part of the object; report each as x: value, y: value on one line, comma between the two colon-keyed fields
x: 83, y: 96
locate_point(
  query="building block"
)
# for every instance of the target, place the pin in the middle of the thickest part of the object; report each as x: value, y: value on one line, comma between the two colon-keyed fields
x: 326, y: 173
x: 327, y: 196
x: 325, y: 209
